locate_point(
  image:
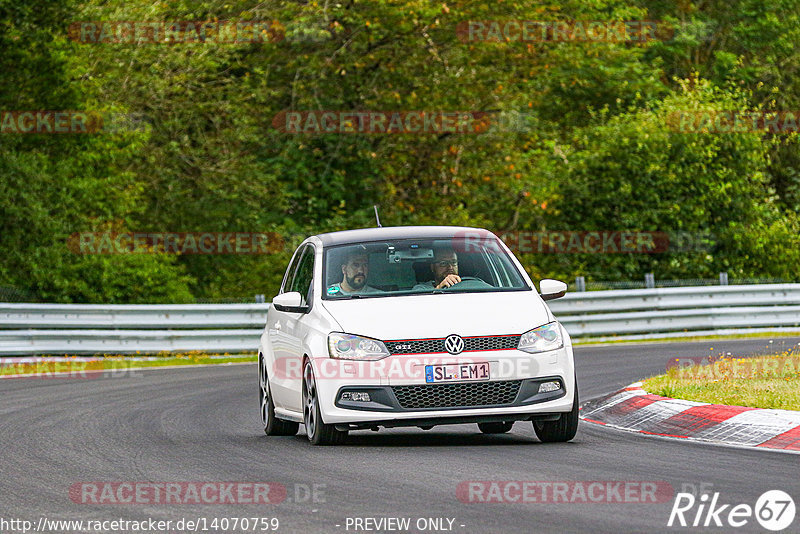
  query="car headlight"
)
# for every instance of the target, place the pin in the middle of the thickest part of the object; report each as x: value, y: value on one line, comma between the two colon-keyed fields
x: 541, y: 339
x: 350, y: 347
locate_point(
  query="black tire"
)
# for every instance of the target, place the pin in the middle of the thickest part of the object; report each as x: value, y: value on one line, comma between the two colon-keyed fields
x: 317, y: 431
x: 563, y: 429
x: 272, y: 425
x: 496, y: 428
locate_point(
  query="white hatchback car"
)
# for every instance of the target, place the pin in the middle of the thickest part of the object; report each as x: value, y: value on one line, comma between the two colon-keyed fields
x: 413, y: 326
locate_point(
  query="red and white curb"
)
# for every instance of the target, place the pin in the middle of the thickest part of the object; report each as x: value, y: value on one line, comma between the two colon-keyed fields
x: 635, y: 410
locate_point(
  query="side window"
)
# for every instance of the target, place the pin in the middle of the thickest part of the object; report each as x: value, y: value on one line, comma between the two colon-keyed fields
x: 290, y: 272
x: 305, y: 273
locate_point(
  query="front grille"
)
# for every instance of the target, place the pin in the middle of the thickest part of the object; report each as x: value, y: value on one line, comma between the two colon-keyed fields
x: 432, y: 346
x: 461, y: 395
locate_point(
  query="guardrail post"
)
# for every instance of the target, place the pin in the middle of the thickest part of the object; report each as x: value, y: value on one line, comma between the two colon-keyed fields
x: 260, y: 299
x: 649, y: 280
x: 723, y: 279
x: 580, y: 283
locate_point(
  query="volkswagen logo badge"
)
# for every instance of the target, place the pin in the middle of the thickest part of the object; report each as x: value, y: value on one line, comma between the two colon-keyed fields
x: 454, y: 344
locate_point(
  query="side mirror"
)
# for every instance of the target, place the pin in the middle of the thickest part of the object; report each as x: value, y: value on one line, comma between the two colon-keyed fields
x: 552, y: 289
x: 290, y: 302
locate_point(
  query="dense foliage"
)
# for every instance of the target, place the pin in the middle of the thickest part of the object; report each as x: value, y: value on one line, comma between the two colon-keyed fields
x: 589, y: 146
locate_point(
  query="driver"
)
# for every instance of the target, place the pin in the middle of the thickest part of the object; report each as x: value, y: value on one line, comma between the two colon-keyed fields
x: 444, y: 268
x: 355, y: 270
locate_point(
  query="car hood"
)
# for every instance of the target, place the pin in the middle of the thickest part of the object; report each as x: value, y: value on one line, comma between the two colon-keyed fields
x: 437, y: 316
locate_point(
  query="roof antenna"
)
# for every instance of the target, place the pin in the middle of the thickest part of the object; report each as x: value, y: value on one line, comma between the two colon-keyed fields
x: 377, y: 219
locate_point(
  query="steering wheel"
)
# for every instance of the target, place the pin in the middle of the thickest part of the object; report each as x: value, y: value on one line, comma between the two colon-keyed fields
x: 469, y: 282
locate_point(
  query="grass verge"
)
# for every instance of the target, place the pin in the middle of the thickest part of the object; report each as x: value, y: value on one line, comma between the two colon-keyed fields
x: 771, y: 381
x: 76, y: 366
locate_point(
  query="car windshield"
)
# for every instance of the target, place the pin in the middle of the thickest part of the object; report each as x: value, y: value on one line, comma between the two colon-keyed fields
x: 418, y: 266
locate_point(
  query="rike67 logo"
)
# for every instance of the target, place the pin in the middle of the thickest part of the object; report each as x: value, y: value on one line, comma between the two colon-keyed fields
x: 774, y: 510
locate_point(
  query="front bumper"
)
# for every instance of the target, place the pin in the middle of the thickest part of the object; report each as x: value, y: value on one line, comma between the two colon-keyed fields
x: 391, y: 390
x: 429, y: 422
x: 452, y: 396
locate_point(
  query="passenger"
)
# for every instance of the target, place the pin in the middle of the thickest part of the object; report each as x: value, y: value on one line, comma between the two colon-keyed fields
x: 355, y: 270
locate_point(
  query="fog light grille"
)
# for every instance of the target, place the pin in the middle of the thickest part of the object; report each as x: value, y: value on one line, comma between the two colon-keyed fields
x: 461, y: 395
x: 356, y: 396
x: 547, y: 387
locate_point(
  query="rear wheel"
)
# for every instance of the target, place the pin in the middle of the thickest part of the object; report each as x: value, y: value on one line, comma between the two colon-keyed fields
x: 272, y: 425
x: 496, y: 428
x: 562, y: 429
x: 318, y: 432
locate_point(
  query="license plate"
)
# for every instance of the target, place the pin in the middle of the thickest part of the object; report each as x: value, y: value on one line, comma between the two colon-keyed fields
x: 456, y: 372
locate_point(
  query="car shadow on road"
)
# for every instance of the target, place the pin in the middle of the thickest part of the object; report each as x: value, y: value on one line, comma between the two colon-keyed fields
x: 436, y: 439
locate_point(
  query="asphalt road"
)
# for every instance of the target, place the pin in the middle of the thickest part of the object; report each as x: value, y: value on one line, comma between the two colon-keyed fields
x: 202, y: 424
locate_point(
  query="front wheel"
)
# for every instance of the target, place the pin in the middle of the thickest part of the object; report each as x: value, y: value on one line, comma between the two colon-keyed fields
x: 562, y: 429
x: 272, y: 425
x: 317, y: 431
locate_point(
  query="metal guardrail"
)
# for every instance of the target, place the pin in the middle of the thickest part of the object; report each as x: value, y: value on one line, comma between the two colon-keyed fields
x: 672, y: 298
x: 678, y: 309
x: 27, y: 329
x: 681, y: 320
x: 30, y: 342
x: 138, y: 316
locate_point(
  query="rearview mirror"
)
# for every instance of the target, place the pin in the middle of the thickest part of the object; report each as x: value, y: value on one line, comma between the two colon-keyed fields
x: 413, y: 253
x: 552, y: 289
x: 290, y: 302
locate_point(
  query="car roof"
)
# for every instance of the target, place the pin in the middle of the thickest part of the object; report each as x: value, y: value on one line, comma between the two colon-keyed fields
x: 400, y: 232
